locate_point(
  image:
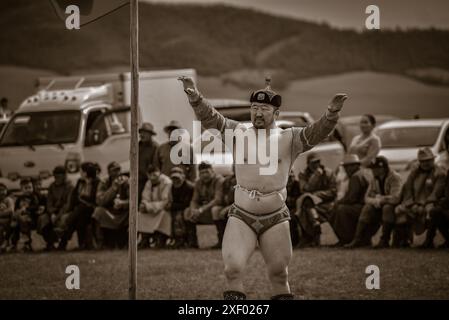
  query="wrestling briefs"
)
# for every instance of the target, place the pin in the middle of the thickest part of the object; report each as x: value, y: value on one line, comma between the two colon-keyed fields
x: 261, y: 222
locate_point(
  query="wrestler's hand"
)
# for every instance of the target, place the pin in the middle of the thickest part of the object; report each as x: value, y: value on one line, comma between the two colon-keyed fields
x: 190, y: 88
x: 337, y: 101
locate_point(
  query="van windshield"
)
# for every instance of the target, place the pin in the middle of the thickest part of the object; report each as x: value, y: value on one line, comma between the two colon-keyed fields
x: 39, y: 128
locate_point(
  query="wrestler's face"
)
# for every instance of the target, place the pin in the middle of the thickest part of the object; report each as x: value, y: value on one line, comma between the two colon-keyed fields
x: 427, y: 165
x: 114, y: 173
x: 206, y: 175
x: 263, y: 115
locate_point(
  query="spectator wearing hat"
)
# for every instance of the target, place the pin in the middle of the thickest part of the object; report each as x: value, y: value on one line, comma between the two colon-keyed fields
x: 180, y: 197
x: 112, y: 211
x: 57, y: 200
x: 6, y: 214
x: 154, y: 217
x: 319, y: 190
x: 206, y: 203
x: 419, y: 197
x: 147, y: 152
x: 5, y: 112
x: 346, y: 211
x: 163, y: 160
x: 383, y: 195
x: 81, y: 206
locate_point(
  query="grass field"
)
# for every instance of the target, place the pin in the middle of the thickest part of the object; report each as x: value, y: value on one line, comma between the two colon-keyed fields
x: 319, y: 273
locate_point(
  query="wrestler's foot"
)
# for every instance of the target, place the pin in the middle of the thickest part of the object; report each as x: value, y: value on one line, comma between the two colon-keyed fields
x: 234, y: 295
x: 285, y: 296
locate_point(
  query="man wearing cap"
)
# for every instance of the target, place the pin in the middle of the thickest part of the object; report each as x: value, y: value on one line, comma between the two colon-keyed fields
x: 206, y: 203
x: 259, y: 214
x: 347, y: 210
x: 419, y: 197
x: 154, y: 215
x: 383, y: 195
x: 57, y: 201
x: 180, y: 197
x: 163, y: 160
x: 111, y: 213
x: 147, y: 152
x: 319, y: 191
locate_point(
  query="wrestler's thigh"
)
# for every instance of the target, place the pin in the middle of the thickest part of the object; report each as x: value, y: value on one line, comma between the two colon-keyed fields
x: 276, y: 246
x: 239, y: 242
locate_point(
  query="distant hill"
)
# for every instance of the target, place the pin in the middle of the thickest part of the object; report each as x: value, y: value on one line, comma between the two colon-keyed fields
x: 216, y: 40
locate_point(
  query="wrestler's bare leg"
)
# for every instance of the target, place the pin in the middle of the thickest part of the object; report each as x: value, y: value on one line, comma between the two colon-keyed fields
x: 239, y: 243
x: 276, y: 247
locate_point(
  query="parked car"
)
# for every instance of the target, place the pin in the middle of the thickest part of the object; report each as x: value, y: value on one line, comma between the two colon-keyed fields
x: 401, y: 140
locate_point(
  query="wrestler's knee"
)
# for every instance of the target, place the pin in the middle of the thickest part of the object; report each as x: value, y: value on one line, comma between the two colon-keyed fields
x: 233, y: 269
x: 278, y: 272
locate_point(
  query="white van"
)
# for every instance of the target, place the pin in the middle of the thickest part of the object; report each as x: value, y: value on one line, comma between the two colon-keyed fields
x: 86, y: 118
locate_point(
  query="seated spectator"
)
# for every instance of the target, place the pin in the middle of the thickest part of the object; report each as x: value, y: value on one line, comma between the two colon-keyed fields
x: 319, y: 190
x: 112, y: 211
x: 57, y: 199
x: 439, y: 217
x: 346, y: 211
x: 81, y: 206
x: 383, y: 195
x: 206, y: 202
x: 293, y: 193
x: 6, y: 213
x: 154, y: 218
x: 180, y: 197
x: 419, y: 197
x: 163, y: 160
x: 26, y: 212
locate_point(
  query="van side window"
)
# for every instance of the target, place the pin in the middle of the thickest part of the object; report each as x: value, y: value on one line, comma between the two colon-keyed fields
x: 96, y: 130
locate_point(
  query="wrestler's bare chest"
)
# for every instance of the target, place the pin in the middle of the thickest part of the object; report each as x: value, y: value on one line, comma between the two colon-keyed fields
x: 268, y: 172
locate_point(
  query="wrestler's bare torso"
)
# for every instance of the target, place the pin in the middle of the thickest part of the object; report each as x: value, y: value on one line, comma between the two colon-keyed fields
x: 248, y: 176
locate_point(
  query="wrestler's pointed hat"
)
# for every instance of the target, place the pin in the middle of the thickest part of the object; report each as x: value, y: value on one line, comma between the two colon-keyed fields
x: 266, y: 95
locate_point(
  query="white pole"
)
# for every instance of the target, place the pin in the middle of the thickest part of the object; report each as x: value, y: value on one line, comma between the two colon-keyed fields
x: 134, y: 149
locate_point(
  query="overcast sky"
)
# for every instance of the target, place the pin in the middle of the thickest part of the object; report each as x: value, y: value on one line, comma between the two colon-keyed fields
x: 350, y: 13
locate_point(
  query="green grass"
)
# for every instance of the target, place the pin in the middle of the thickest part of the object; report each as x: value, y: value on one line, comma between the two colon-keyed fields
x: 319, y: 273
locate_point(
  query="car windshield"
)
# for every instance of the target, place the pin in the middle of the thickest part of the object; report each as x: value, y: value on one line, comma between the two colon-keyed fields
x: 298, y: 121
x: 408, y: 137
x: 39, y: 128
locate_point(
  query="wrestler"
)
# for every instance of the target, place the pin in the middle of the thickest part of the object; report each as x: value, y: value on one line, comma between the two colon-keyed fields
x: 259, y: 214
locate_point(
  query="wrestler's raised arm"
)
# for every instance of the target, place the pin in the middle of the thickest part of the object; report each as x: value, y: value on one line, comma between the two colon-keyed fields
x: 209, y: 117
x: 306, y: 138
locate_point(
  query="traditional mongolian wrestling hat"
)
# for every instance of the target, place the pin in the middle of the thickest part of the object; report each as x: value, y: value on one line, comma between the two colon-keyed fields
x: 267, y: 95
